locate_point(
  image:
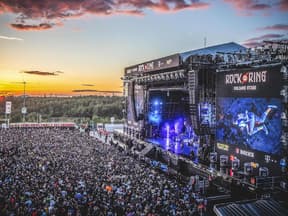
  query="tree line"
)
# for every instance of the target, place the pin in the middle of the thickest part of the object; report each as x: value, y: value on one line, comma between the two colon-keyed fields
x: 78, y: 109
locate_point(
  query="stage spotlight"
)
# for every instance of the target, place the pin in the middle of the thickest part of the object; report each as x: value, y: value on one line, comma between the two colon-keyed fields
x: 248, y: 168
x: 162, y: 77
x: 167, y: 77
x: 223, y: 160
x: 263, y: 172
x: 284, y: 69
x: 176, y: 76
x: 213, y: 157
x: 181, y: 75
x: 235, y: 164
x: 172, y: 76
x: 167, y: 131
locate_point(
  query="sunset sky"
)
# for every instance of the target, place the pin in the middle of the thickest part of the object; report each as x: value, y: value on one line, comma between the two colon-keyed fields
x: 58, y: 46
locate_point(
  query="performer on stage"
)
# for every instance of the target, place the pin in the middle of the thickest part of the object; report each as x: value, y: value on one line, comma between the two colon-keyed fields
x: 187, y: 130
x: 252, y: 123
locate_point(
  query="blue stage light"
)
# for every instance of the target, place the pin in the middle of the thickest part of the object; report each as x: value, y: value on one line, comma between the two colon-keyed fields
x: 154, y: 118
x: 167, y: 131
x: 176, y: 127
x: 283, y: 162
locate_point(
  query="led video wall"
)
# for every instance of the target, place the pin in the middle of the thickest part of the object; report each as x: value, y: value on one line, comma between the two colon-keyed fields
x: 135, y: 103
x: 253, y: 123
x: 131, y: 115
x: 248, y: 112
x: 139, y: 101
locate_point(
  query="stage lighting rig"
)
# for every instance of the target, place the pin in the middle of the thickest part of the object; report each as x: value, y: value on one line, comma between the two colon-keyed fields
x: 248, y: 169
x: 235, y: 163
x: 284, y: 72
x: 167, y: 77
x: 263, y: 172
x: 223, y: 160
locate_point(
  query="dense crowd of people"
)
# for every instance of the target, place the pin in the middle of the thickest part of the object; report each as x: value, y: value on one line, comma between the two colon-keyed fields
x: 64, y: 172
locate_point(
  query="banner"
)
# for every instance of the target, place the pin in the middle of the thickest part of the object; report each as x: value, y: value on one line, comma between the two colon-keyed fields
x: 157, y: 64
x: 254, y: 82
x: 8, y: 107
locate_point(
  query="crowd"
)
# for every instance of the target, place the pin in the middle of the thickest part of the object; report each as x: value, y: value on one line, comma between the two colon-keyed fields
x: 64, y: 172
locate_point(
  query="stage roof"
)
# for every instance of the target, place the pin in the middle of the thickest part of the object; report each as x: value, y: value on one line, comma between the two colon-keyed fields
x: 231, y: 47
x: 177, y: 59
x: 251, y: 208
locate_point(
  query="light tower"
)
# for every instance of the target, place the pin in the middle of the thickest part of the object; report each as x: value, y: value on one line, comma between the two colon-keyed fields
x: 24, y: 109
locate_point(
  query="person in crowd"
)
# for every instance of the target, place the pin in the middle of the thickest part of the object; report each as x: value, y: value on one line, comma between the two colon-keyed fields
x: 51, y: 171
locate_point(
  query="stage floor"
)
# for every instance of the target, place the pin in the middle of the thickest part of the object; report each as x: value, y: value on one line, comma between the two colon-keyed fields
x: 175, y: 147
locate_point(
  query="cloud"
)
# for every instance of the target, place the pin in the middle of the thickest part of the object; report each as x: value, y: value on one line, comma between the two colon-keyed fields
x: 88, y: 85
x: 252, y: 44
x: 42, y: 73
x: 3, y: 93
x: 27, y: 27
x: 249, y: 4
x: 258, y: 41
x: 277, y: 27
x: 266, y: 37
x: 283, y: 5
x: 93, y: 90
x: 84, y: 90
x: 46, y: 14
x: 10, y: 38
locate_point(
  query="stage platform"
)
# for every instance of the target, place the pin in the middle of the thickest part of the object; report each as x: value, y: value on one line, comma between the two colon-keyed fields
x: 175, y: 147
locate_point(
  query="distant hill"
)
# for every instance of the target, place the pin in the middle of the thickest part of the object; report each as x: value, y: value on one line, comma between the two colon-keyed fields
x: 77, y: 109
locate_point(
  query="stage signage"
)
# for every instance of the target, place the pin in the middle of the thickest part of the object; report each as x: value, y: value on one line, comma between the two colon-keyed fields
x: 154, y: 65
x: 261, y: 82
x: 8, y: 107
x: 223, y: 147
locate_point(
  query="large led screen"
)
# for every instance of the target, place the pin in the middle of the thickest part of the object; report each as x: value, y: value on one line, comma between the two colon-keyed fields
x: 253, y: 123
x: 139, y: 100
x: 130, y: 104
x: 248, y: 111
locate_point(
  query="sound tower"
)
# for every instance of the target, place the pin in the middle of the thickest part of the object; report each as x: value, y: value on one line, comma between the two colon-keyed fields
x: 193, y: 99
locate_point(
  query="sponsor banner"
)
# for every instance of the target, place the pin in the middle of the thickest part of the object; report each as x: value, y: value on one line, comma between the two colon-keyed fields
x: 43, y: 125
x: 223, y: 147
x: 154, y: 65
x: 8, y: 107
x: 246, y: 155
x: 253, y: 82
